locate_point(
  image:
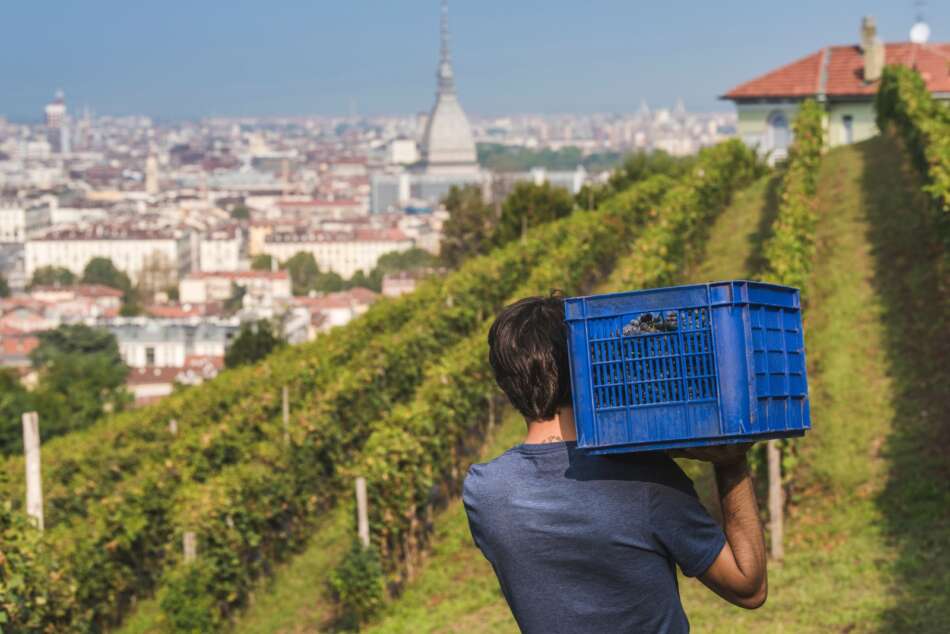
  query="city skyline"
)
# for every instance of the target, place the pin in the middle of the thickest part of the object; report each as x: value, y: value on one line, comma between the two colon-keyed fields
x: 331, y: 61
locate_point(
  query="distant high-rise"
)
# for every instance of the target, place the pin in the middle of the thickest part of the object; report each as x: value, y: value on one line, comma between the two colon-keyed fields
x: 57, y: 124
x: 151, y: 174
x: 448, y: 146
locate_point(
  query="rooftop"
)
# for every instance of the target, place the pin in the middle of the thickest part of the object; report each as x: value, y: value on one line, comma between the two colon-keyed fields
x: 357, y: 235
x: 107, y: 232
x: 843, y: 67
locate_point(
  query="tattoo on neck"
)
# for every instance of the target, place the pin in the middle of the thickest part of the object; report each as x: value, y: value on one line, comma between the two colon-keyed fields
x: 552, y: 438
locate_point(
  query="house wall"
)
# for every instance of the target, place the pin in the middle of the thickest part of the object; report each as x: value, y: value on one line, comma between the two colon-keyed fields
x: 344, y: 257
x: 752, y: 124
x: 863, y: 125
x: 129, y: 255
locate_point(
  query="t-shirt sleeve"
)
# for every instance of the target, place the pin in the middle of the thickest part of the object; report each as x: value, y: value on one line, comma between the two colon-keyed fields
x: 683, y: 528
x: 472, y: 507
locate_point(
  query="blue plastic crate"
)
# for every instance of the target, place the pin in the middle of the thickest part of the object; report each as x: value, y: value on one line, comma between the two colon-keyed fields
x: 686, y: 366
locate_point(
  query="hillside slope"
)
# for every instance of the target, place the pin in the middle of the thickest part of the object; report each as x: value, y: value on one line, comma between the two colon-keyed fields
x: 866, y: 547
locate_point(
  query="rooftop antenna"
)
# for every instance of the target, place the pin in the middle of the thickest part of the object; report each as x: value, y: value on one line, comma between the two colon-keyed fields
x: 920, y: 32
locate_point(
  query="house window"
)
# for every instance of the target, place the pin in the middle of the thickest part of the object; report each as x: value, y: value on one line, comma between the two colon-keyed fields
x: 150, y: 356
x: 778, y: 136
x: 847, y: 121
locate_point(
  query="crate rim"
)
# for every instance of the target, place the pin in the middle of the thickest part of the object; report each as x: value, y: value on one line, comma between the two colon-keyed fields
x: 705, y: 285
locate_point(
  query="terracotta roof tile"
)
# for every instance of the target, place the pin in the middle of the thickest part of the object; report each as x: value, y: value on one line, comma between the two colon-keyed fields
x: 798, y: 79
x: 845, y: 68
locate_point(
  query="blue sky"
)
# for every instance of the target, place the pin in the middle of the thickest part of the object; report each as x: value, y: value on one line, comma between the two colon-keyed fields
x: 175, y: 58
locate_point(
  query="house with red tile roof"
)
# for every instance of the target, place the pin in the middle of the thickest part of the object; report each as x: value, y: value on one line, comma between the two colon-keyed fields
x: 844, y: 79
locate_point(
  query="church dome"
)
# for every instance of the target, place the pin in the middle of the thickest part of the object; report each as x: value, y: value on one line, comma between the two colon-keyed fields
x: 448, y: 137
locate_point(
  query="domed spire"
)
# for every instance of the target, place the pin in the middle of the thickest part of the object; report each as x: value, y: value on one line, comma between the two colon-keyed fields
x: 448, y: 144
x: 445, y: 75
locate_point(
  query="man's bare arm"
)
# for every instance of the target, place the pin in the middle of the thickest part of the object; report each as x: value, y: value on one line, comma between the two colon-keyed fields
x: 739, y: 572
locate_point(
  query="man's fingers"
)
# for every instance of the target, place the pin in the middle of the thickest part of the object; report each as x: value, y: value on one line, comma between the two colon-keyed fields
x: 714, y: 453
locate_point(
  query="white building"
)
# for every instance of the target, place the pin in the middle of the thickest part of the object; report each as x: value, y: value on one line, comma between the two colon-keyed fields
x: 336, y: 309
x: 263, y: 289
x: 220, y: 250
x: 316, y: 209
x: 141, y: 253
x: 145, y: 342
x: 844, y: 80
x: 344, y: 253
x: 402, y: 151
x: 18, y: 222
x: 57, y: 124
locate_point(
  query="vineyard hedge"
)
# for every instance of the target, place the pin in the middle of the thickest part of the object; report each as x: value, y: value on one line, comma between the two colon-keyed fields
x: 789, y: 251
x: 904, y: 104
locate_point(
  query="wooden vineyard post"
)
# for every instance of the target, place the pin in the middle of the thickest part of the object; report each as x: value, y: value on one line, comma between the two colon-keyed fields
x: 173, y: 427
x: 34, y: 480
x: 362, y: 513
x: 776, y: 503
x: 285, y: 393
x: 189, y: 546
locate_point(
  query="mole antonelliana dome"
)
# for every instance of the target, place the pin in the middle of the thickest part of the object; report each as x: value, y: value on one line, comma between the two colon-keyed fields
x: 448, y: 144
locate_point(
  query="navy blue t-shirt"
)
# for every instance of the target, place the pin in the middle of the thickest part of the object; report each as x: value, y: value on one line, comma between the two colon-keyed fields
x: 584, y: 543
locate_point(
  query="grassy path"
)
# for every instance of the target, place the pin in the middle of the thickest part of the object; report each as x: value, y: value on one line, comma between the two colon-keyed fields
x: 913, y: 282
x: 835, y: 544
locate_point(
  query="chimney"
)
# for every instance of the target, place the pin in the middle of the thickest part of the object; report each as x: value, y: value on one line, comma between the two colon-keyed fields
x: 872, y: 50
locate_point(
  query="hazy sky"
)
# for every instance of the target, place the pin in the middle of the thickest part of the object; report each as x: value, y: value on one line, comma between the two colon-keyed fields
x: 186, y: 58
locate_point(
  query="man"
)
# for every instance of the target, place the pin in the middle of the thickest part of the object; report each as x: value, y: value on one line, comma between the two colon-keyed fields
x: 585, y: 543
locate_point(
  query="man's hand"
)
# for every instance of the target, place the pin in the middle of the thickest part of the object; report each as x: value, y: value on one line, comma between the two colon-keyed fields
x: 719, y: 455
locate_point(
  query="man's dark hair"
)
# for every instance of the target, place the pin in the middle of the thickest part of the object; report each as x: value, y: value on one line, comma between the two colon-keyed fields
x: 527, y: 348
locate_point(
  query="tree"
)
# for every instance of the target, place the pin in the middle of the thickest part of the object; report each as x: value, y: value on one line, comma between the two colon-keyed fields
x: 373, y: 281
x: 410, y: 260
x: 75, y: 339
x: 262, y: 262
x: 304, y: 273
x: 635, y: 167
x: 234, y: 303
x: 468, y: 231
x: 52, y: 276
x: 240, y: 212
x: 132, y: 301
x: 331, y: 282
x: 14, y: 400
x: 4, y: 287
x: 640, y: 165
x: 530, y: 205
x: 254, y: 341
x: 158, y: 272
x: 102, y: 271
x: 82, y: 377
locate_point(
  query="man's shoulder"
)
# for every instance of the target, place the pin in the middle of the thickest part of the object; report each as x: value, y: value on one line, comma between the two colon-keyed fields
x: 484, y: 476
